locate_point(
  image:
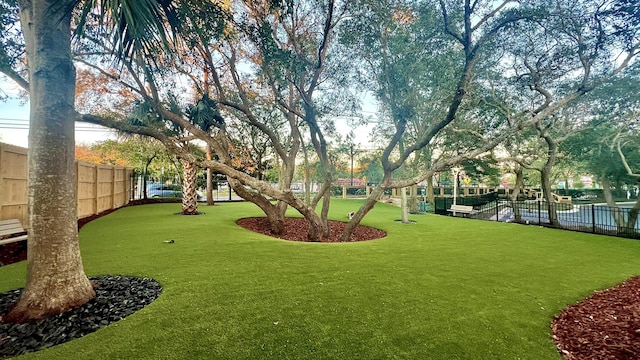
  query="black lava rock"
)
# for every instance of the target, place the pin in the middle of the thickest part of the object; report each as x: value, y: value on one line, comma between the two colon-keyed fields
x: 116, y: 298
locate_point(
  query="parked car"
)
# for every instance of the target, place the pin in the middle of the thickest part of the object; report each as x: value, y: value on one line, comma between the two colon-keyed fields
x: 156, y: 190
x: 586, y: 197
x: 164, y: 190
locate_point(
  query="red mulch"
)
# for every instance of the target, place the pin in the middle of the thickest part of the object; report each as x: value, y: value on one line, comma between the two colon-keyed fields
x: 604, y: 326
x: 297, y: 229
x: 14, y: 252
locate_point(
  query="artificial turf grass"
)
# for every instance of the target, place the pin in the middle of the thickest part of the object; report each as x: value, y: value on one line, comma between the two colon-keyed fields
x: 441, y: 288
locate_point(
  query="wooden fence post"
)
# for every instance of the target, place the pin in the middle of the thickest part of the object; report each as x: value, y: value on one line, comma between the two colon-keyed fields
x: 113, y: 188
x: 77, y: 167
x: 14, y: 185
x: 96, y: 187
x: 2, y: 186
x: 129, y: 185
x: 1, y: 180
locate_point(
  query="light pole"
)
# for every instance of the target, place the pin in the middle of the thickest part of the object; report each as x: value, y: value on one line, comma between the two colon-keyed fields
x: 351, y: 152
x: 455, y: 171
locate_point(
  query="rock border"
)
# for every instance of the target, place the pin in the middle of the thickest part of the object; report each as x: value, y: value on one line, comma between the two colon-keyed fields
x: 116, y: 298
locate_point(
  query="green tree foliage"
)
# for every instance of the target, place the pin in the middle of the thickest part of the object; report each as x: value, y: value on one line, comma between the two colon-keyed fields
x: 371, y: 168
x: 12, y: 54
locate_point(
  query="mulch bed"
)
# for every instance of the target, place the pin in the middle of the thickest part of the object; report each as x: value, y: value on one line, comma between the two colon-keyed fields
x: 13, y: 252
x: 297, y: 229
x: 116, y: 298
x: 604, y: 326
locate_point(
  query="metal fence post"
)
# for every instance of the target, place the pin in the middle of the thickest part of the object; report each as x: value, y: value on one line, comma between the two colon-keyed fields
x: 539, y: 215
x: 593, y: 218
x: 497, y: 211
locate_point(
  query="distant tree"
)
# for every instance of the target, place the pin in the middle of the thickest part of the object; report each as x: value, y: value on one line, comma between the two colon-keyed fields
x: 371, y: 168
x: 609, y: 149
x: 103, y: 153
x: 84, y: 153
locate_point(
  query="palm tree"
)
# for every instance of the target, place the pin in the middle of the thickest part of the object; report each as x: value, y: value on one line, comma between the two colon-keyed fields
x: 205, y: 115
x: 56, y: 281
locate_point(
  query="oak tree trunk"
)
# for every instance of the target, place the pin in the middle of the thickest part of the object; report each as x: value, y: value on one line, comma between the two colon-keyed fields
x: 307, y: 177
x: 414, y: 200
x: 368, y: 204
x: 517, y: 189
x: 545, y: 173
x: 56, y: 281
x: 274, y: 213
x: 430, y: 198
x: 633, y: 219
x: 625, y: 226
x: 545, y: 180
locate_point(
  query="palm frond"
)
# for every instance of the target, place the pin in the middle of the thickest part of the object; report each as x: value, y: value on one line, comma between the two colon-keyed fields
x: 205, y: 114
x: 136, y: 26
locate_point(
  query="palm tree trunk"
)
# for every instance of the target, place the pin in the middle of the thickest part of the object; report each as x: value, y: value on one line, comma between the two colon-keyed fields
x: 209, y: 179
x: 403, y: 205
x: 56, y: 281
x: 189, y: 193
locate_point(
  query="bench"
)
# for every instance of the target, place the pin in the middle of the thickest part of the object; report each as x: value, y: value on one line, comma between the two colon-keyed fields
x: 562, y: 199
x: 463, y: 209
x: 11, y: 231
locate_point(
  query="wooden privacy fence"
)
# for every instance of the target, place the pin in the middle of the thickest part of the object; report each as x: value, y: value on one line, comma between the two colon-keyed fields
x: 99, y: 187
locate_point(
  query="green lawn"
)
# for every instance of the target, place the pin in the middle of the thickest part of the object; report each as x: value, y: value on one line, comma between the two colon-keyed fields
x: 443, y: 288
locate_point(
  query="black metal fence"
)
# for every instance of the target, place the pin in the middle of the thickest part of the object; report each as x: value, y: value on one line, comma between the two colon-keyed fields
x: 444, y: 203
x: 593, y: 218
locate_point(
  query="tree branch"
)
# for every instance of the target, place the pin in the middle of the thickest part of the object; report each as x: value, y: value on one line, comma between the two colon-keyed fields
x: 17, y: 78
x: 489, y: 15
x: 624, y: 160
x: 447, y: 23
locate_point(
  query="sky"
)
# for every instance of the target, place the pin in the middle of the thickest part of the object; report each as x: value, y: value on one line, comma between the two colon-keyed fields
x: 14, y: 121
x: 14, y: 126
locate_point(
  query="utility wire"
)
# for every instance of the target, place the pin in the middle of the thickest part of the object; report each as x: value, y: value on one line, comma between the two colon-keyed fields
x: 23, y: 124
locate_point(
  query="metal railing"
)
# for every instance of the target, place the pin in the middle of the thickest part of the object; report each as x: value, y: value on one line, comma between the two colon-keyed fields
x: 593, y: 218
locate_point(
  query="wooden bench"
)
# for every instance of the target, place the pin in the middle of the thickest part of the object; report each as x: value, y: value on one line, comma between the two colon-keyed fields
x: 463, y: 209
x: 11, y: 231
